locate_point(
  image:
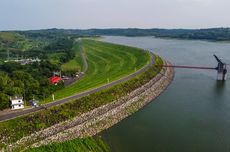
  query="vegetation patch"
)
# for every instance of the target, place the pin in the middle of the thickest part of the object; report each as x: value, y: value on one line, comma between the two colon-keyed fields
x: 15, y: 129
x: 76, y: 64
x: 17, y: 44
x: 89, y: 144
x: 106, y: 63
x: 27, y: 62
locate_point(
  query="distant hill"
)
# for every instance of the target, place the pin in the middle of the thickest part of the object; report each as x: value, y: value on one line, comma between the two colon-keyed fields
x: 10, y: 39
x: 214, y: 34
x: 10, y: 36
x: 25, y: 40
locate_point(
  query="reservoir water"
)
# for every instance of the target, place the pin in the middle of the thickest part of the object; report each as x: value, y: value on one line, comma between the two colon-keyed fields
x: 192, y: 115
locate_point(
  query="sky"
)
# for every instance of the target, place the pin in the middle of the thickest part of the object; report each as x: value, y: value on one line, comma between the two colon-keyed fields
x: 85, y: 14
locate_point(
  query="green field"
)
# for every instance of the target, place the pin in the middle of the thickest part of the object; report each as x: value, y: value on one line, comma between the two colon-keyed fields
x: 77, y: 145
x: 76, y: 64
x: 106, y: 62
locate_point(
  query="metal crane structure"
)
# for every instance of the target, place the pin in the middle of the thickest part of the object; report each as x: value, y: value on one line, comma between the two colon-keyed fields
x: 221, y: 68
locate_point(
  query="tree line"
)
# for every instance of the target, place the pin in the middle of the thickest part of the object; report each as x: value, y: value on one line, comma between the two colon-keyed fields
x: 32, y: 80
x: 214, y: 34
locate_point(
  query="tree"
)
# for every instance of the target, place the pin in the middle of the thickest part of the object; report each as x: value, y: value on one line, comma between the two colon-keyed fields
x: 27, y: 83
x: 4, y: 80
x: 4, y: 101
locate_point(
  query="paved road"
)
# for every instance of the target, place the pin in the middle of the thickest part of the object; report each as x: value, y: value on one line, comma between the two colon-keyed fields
x: 28, y: 111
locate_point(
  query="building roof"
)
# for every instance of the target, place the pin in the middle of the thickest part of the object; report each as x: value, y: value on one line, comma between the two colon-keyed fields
x: 55, y: 79
x: 17, y: 97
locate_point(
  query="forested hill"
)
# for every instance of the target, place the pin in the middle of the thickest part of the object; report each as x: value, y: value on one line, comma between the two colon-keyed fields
x: 214, y: 34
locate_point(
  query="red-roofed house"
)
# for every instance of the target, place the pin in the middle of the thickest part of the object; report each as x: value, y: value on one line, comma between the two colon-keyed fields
x: 55, y: 80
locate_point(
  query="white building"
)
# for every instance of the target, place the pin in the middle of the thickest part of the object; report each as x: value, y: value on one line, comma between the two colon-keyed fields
x: 17, y: 103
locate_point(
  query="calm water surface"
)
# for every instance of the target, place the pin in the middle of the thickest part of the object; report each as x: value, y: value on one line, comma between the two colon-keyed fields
x: 192, y: 115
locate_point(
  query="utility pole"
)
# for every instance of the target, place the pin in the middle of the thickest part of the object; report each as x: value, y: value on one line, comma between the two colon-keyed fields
x: 8, y: 52
x: 53, y: 97
x: 24, y: 92
x: 8, y: 55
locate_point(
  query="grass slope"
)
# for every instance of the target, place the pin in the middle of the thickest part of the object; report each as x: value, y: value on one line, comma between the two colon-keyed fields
x: 106, y: 62
x: 77, y: 145
x: 75, y: 64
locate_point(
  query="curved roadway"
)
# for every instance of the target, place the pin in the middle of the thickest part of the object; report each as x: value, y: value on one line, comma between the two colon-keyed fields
x: 77, y: 96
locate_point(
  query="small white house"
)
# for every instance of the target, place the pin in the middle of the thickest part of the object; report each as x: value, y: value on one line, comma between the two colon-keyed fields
x: 17, y: 103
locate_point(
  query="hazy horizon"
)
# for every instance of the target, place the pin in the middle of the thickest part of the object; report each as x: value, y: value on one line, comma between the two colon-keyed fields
x: 88, y: 14
x: 108, y: 28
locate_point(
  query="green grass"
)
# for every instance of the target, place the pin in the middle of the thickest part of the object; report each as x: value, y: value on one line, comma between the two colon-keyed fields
x: 14, y: 129
x: 75, y: 64
x: 72, y: 65
x: 77, y: 145
x: 106, y: 62
x: 55, y: 57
